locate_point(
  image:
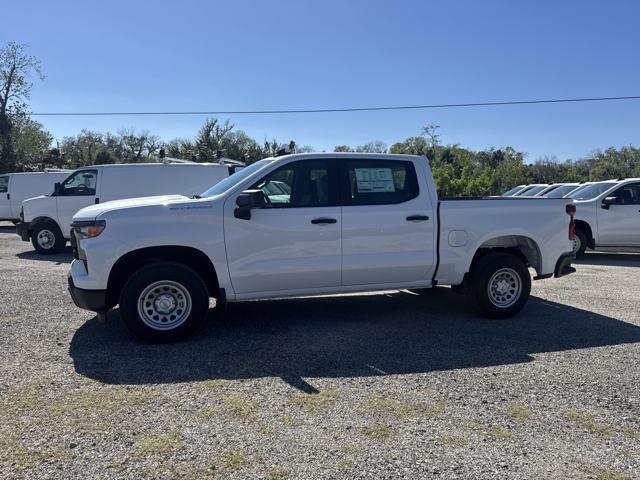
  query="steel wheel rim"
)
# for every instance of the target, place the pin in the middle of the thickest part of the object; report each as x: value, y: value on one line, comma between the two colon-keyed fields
x: 505, y: 288
x: 164, y: 305
x: 46, y: 239
x: 576, y: 243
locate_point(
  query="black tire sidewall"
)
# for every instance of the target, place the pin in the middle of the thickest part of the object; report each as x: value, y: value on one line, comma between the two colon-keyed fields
x: 583, y: 242
x: 59, y: 243
x: 164, y: 271
x: 485, y: 269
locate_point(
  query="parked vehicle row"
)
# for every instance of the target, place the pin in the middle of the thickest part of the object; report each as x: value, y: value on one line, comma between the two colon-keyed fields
x: 46, y: 219
x: 311, y: 224
x: 607, y: 212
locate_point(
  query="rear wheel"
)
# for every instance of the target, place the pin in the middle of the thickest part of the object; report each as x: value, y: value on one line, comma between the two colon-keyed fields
x: 164, y: 302
x: 501, y: 285
x: 579, y: 243
x: 47, y: 238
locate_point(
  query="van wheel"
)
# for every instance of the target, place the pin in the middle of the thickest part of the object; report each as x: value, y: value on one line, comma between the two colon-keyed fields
x: 501, y: 285
x: 164, y: 302
x: 579, y: 243
x: 47, y: 239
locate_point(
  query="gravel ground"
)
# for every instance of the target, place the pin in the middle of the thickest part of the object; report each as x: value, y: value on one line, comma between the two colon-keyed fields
x: 392, y: 385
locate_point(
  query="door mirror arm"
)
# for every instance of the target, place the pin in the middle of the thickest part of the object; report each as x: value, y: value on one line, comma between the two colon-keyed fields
x: 248, y: 200
x: 57, y: 189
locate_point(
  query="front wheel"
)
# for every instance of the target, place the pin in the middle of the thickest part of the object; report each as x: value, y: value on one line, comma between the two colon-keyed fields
x: 579, y: 244
x: 164, y: 302
x: 501, y: 285
x: 47, y: 239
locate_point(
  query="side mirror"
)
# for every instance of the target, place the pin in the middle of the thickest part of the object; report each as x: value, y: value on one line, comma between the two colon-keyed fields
x: 57, y: 188
x: 246, y: 201
x: 607, y: 202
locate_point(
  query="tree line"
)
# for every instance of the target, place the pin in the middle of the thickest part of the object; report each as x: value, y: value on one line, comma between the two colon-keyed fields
x: 26, y: 146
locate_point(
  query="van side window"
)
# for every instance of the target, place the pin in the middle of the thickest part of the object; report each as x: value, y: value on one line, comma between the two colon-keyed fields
x: 627, y: 195
x: 378, y: 182
x: 82, y: 182
x: 299, y: 184
x: 4, y: 184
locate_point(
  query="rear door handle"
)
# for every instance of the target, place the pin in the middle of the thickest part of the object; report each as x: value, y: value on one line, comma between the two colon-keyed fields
x: 323, y: 221
x: 417, y: 218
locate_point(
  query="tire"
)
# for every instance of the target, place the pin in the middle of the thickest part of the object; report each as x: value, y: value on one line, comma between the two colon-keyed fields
x: 501, y: 285
x: 579, y: 243
x: 164, y: 302
x: 47, y: 238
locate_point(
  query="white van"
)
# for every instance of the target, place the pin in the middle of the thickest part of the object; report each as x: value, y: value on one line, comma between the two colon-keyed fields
x: 46, y: 220
x: 17, y: 187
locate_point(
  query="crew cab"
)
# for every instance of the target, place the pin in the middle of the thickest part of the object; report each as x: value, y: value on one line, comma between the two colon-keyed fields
x: 310, y: 224
x: 608, y: 215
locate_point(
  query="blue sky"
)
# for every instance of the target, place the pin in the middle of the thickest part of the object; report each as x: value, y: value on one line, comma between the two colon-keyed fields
x: 239, y: 55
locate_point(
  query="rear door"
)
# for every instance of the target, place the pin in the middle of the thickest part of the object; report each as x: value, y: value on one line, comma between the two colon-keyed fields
x: 293, y: 243
x: 620, y: 223
x: 5, y: 198
x: 79, y: 190
x: 388, y: 234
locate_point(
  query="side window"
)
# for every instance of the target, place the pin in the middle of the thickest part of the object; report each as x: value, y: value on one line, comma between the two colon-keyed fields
x: 80, y: 183
x: 628, y: 195
x: 298, y: 184
x: 4, y: 184
x: 378, y: 182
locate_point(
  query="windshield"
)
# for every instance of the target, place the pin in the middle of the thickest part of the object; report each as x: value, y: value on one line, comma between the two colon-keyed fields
x: 229, y: 182
x: 513, y: 191
x: 592, y: 191
x: 561, y: 191
x: 532, y: 191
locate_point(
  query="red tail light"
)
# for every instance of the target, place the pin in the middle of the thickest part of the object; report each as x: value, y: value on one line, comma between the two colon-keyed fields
x: 571, y: 211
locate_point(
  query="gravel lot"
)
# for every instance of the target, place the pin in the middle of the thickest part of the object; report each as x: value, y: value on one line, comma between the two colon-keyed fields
x: 393, y: 385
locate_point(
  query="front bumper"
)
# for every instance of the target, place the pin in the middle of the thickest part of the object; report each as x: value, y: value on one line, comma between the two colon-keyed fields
x: 563, y: 266
x: 22, y: 229
x: 94, y: 300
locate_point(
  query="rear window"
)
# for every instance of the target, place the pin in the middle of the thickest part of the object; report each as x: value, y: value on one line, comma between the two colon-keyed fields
x: 514, y: 190
x: 4, y: 184
x: 379, y: 182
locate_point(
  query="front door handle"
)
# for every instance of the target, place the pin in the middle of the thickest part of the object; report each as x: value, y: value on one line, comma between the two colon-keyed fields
x: 97, y: 201
x: 323, y: 221
x: 417, y: 218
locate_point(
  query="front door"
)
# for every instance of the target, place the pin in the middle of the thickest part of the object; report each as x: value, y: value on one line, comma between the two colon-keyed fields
x: 5, y: 202
x: 388, y: 225
x: 293, y: 243
x: 620, y: 223
x: 78, y: 191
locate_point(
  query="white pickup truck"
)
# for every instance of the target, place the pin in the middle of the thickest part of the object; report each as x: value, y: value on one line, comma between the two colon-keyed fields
x: 311, y: 224
x: 608, y: 215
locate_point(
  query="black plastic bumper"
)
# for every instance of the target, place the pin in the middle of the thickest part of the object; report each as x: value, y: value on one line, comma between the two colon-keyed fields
x: 563, y: 266
x: 94, y: 300
x: 22, y: 229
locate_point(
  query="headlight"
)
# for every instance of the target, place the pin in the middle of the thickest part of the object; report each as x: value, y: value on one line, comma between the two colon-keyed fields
x: 89, y: 228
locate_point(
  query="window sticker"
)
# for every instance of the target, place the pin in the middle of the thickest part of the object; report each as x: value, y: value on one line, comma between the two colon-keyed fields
x: 374, y: 180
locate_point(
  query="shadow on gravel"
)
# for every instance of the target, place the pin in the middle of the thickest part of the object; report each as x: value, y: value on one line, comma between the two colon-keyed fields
x: 626, y: 259
x: 364, y: 335
x: 64, y: 257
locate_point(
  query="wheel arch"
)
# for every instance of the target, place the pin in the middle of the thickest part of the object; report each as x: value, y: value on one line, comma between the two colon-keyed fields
x: 586, y: 228
x: 521, y: 246
x: 132, y: 261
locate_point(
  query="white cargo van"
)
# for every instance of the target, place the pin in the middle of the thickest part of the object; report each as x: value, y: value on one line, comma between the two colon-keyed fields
x: 17, y: 187
x: 46, y: 219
